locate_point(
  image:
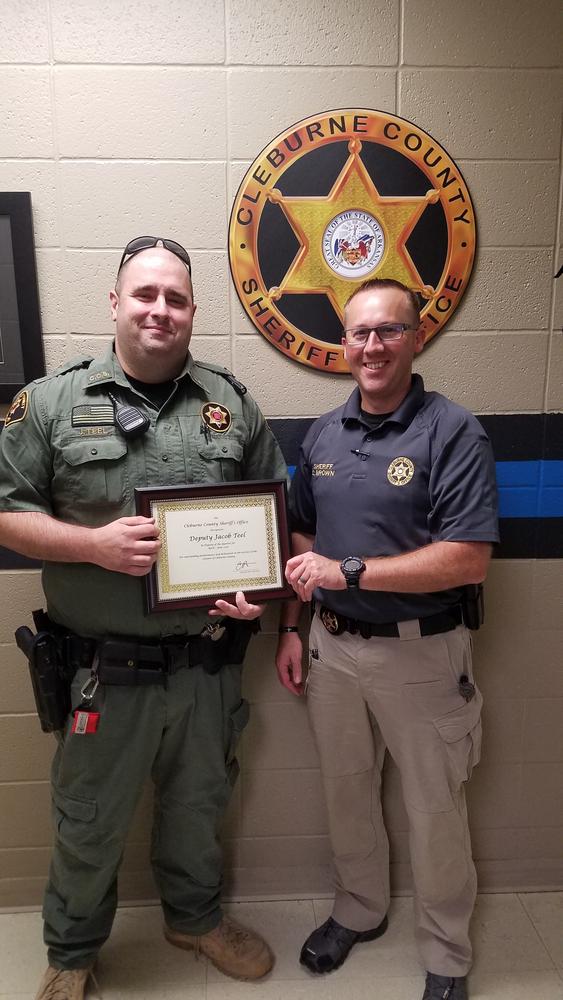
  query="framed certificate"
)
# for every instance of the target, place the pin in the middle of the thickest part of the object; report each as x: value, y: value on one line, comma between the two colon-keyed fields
x: 217, y: 539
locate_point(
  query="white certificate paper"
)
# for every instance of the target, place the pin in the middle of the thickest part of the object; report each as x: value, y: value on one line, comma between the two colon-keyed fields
x: 213, y: 546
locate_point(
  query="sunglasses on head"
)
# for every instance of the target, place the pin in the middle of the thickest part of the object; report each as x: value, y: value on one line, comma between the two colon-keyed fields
x: 146, y: 242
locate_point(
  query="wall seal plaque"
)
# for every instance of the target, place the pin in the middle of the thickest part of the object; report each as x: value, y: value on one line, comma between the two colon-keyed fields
x: 337, y: 199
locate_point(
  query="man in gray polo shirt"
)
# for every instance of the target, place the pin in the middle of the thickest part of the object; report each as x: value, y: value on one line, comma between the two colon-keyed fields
x: 394, y: 512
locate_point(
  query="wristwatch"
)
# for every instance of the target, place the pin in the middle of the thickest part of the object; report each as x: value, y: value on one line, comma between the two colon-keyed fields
x: 352, y: 567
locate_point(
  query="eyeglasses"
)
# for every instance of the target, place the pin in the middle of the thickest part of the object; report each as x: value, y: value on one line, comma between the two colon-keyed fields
x: 146, y: 242
x: 359, y: 335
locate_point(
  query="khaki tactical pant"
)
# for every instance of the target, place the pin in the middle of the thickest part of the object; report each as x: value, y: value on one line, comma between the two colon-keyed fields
x: 184, y: 736
x: 368, y: 694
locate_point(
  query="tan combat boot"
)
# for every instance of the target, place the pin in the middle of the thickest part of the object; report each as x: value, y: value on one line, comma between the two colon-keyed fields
x: 64, y: 984
x: 234, y: 950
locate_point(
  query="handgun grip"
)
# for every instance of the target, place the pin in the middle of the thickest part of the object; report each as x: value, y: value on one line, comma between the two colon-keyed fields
x: 25, y: 640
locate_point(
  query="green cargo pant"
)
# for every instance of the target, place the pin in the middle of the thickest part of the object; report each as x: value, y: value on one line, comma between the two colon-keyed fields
x: 184, y: 736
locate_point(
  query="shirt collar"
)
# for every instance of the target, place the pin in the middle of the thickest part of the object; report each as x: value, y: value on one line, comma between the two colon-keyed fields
x: 189, y: 370
x: 107, y: 370
x: 405, y: 412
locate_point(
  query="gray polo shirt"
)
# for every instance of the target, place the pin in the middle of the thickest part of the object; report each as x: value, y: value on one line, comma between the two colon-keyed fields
x: 426, y: 474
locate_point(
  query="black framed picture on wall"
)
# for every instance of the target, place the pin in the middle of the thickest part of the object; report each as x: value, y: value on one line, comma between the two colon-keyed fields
x: 21, y: 344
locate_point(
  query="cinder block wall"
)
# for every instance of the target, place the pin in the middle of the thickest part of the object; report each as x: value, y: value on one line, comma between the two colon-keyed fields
x: 124, y: 119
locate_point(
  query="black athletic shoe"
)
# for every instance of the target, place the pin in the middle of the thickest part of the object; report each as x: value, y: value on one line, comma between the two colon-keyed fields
x: 327, y: 947
x: 445, y: 987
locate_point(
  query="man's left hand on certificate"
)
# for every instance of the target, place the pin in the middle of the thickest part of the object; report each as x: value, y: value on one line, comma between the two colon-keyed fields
x: 241, y: 610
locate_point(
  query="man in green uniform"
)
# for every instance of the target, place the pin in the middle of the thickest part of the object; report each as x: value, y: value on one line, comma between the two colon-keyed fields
x: 67, y: 479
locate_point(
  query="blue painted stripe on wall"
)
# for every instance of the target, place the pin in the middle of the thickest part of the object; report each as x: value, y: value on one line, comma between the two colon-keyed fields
x: 530, y: 489
x: 518, y: 473
x: 530, y: 473
x: 526, y: 489
x: 552, y: 473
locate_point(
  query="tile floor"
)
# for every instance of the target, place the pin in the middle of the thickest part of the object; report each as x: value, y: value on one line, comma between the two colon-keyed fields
x: 518, y: 955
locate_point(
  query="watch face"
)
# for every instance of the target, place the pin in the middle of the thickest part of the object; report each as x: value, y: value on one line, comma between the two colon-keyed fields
x: 352, y: 564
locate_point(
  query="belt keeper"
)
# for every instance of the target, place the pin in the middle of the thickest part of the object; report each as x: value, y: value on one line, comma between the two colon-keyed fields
x: 409, y: 629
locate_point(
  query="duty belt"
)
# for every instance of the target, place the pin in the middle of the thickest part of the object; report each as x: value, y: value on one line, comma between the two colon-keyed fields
x: 133, y: 661
x: 336, y: 624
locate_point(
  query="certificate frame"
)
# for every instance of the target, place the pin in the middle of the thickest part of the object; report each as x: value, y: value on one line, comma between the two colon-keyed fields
x: 166, y: 589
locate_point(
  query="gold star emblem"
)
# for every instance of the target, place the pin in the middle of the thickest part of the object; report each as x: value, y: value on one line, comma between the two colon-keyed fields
x: 217, y: 417
x: 400, y: 472
x: 330, y: 621
x: 388, y: 221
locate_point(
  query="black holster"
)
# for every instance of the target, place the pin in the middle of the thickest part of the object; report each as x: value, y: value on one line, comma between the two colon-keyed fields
x: 473, y: 605
x: 49, y: 678
x: 228, y: 645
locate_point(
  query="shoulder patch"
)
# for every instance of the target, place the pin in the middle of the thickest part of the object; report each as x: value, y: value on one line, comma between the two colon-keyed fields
x: 18, y: 409
x: 210, y: 367
x: 239, y: 387
x: 83, y: 361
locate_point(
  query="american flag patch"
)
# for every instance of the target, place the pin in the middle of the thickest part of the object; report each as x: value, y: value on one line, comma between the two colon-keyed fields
x: 92, y: 414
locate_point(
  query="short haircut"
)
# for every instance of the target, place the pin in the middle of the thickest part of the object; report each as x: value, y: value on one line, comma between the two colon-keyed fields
x: 372, y: 284
x: 125, y: 265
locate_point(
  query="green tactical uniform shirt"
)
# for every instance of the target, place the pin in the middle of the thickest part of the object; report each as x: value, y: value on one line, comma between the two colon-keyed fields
x: 61, y: 454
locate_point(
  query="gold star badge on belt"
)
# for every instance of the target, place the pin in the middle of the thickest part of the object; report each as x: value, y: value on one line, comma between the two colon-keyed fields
x: 216, y: 417
x: 330, y: 621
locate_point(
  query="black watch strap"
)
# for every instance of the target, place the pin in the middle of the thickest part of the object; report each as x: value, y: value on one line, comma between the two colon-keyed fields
x: 352, y: 568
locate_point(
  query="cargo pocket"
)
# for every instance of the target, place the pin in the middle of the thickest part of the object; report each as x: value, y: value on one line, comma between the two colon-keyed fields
x: 461, y: 732
x: 75, y: 827
x: 84, y: 860
x: 238, y: 721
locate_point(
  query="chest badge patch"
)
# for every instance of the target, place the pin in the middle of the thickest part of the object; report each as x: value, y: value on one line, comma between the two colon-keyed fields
x: 400, y: 472
x: 216, y: 417
x: 18, y: 409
